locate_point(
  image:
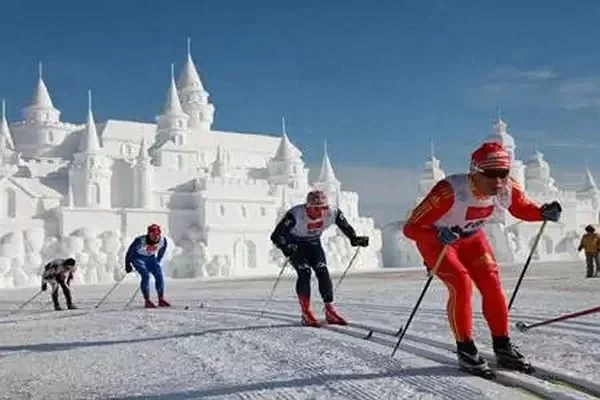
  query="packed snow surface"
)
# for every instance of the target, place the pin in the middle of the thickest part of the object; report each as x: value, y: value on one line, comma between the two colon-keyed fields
x: 218, y: 348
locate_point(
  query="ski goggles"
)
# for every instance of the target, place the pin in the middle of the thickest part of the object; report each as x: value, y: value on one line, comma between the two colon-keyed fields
x: 495, y: 173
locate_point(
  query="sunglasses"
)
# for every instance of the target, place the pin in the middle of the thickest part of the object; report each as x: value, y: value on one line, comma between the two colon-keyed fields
x: 495, y: 173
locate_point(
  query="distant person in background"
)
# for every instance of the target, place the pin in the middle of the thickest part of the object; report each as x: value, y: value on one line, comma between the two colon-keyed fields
x: 590, y: 242
x: 145, y: 254
x: 59, y: 273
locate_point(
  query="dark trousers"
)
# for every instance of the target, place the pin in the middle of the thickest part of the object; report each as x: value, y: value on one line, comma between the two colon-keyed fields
x: 310, y: 256
x: 60, y: 282
x: 591, y: 259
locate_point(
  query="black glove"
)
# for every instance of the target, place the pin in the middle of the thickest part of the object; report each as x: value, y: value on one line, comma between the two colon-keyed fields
x: 362, y: 241
x: 44, y: 286
x: 289, y: 249
x: 128, y: 267
x: 551, y: 211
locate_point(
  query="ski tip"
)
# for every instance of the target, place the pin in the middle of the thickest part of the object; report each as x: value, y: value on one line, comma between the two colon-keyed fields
x: 186, y: 307
x: 369, y: 334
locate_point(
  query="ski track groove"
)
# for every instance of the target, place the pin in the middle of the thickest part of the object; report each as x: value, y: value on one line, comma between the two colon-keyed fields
x: 424, y: 383
x: 581, y: 327
x: 515, y: 377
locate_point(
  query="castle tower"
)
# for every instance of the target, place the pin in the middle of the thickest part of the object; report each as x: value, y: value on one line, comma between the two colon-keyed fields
x: 9, y: 159
x: 327, y: 181
x: 173, y: 121
x: 143, y: 175
x: 219, y: 166
x: 589, y: 191
x: 91, y: 172
x: 41, y: 110
x: 194, y: 97
x: 286, y: 167
x: 500, y: 135
x: 537, y: 176
x: 432, y: 173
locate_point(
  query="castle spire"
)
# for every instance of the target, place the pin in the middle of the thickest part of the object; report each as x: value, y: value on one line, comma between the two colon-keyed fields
x: 189, y: 77
x: 172, y: 103
x: 89, y: 142
x: 327, y: 174
x: 40, y: 108
x: 41, y: 96
x: 5, y: 137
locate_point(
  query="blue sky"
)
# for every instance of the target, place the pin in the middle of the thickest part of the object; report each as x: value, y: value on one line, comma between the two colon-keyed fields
x: 377, y: 79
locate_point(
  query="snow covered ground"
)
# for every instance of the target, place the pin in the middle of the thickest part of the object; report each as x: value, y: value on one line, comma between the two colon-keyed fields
x: 219, y: 349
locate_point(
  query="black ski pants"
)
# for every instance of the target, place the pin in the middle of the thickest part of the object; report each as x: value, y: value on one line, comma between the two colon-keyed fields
x: 311, y: 256
x: 60, y: 282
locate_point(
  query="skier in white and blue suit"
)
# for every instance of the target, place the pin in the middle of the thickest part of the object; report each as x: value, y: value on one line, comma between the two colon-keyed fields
x: 145, y: 254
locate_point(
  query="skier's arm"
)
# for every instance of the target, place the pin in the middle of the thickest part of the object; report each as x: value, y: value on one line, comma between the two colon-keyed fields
x: 521, y: 207
x: 281, y: 233
x: 344, y: 225
x: 129, y: 256
x: 420, y: 224
x: 161, y: 251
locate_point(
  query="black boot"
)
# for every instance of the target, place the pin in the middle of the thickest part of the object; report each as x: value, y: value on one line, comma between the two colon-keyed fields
x: 470, y: 361
x: 508, y: 355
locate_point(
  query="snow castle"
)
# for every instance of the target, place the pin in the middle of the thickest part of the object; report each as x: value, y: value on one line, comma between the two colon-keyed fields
x: 86, y: 190
x: 512, y: 239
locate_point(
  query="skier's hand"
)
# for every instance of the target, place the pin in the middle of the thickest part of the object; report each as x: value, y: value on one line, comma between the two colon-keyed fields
x: 44, y: 286
x: 289, y: 249
x: 128, y: 267
x: 551, y: 211
x: 362, y: 241
x: 447, y: 235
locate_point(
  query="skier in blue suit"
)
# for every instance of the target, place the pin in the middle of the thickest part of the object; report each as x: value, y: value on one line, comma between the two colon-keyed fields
x: 145, y: 254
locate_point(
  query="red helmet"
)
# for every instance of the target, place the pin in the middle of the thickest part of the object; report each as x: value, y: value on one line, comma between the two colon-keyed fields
x: 154, y: 228
x: 317, y: 198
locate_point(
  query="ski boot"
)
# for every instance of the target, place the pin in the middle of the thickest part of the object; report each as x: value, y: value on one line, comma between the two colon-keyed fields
x: 163, y: 303
x: 508, y: 355
x: 57, y: 306
x: 308, y: 316
x: 470, y: 361
x: 71, y: 306
x: 332, y: 316
x: 149, y: 304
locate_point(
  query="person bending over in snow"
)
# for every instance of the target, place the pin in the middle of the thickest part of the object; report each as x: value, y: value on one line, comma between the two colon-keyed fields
x: 59, y: 273
x: 452, y: 214
x: 298, y: 236
x: 145, y: 254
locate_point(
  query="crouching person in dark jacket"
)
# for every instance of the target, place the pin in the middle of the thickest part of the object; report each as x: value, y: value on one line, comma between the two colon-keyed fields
x: 59, y: 273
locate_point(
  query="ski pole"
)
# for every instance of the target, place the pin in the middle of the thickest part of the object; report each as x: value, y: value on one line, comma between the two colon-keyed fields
x: 27, y: 302
x: 137, y: 290
x: 533, y: 248
x: 110, y: 291
x: 523, y: 327
x: 347, y: 268
x: 274, y: 287
x: 431, y: 274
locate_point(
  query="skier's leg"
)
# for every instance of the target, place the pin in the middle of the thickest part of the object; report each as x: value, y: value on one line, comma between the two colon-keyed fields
x: 459, y: 307
x: 140, y: 267
x: 479, y: 259
x: 597, y: 262
x: 67, y: 292
x: 303, y: 290
x: 159, y: 283
x: 319, y: 263
x: 54, y: 295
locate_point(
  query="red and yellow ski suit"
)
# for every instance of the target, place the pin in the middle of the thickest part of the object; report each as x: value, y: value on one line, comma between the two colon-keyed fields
x: 455, y: 202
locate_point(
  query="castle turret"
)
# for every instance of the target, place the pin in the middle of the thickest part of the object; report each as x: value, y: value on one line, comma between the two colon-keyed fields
x: 537, y: 175
x: 432, y: 173
x: 500, y: 135
x: 91, y: 171
x: 8, y: 156
x: 143, y: 175
x: 327, y: 180
x: 41, y: 110
x: 589, y: 191
x: 194, y: 97
x: 287, y: 167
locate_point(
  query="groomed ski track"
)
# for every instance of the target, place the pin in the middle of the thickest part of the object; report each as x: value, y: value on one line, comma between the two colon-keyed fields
x: 218, y: 348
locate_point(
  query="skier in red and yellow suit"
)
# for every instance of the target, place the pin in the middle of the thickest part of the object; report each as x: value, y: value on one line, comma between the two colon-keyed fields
x: 453, y: 214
